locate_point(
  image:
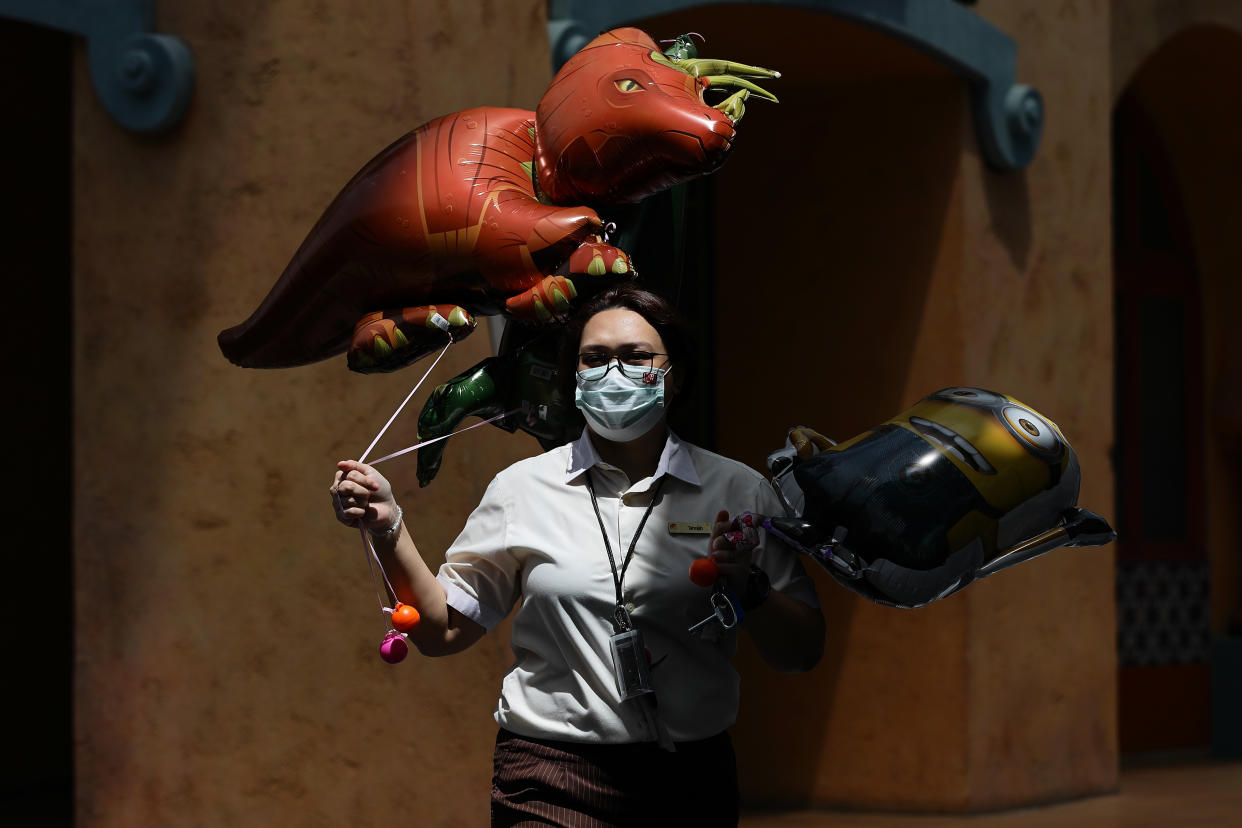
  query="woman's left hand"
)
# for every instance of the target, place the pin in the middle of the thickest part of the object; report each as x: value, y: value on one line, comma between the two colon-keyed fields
x: 732, y: 546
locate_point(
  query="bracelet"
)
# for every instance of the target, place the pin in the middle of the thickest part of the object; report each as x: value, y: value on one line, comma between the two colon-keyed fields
x: 391, y: 530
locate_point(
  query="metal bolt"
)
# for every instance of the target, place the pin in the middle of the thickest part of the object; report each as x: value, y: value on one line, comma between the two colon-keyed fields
x: 1032, y: 113
x: 137, y: 71
x: 1026, y: 110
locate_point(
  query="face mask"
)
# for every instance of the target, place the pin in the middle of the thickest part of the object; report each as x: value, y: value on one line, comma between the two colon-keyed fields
x: 618, y: 407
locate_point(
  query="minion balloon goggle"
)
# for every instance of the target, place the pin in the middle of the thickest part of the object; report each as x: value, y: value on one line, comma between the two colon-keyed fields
x: 964, y: 484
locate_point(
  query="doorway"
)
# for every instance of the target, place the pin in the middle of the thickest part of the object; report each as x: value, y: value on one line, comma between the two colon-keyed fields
x: 1163, y: 572
x: 36, y: 236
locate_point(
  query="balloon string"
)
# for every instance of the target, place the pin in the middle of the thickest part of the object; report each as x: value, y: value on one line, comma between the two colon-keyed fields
x: 445, y: 437
x: 373, y: 562
x: 368, y: 550
x: 363, y: 458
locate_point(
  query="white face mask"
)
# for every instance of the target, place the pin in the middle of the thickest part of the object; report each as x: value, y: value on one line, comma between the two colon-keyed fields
x: 618, y: 407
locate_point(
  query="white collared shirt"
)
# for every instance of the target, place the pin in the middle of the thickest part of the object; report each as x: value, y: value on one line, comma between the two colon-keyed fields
x: 535, y: 541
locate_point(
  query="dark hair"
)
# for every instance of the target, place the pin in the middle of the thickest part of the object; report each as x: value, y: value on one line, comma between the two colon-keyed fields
x: 659, y: 313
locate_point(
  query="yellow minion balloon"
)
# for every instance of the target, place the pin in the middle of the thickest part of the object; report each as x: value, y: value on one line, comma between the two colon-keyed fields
x: 962, y: 485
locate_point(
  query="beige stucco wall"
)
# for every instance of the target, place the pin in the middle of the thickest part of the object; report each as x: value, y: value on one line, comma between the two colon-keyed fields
x: 1139, y: 29
x: 226, y: 668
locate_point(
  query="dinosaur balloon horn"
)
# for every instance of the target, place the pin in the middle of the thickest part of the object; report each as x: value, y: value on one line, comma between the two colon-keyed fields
x: 722, y: 72
x: 718, y: 74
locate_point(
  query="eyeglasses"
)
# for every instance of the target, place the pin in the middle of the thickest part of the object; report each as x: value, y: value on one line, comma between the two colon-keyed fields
x: 633, y: 364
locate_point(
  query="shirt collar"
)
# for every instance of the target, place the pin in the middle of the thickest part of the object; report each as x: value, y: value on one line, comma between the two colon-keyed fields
x: 675, y: 459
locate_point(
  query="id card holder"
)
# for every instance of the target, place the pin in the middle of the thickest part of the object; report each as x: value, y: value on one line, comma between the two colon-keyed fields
x: 629, y: 663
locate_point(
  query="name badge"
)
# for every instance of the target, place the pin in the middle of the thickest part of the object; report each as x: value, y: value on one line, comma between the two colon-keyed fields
x: 684, y: 528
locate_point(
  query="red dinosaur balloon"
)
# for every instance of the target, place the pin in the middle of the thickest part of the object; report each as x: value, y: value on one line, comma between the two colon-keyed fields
x: 492, y: 210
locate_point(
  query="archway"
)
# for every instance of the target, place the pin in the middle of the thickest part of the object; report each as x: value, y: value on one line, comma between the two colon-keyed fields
x: 1176, y: 129
x: 821, y: 240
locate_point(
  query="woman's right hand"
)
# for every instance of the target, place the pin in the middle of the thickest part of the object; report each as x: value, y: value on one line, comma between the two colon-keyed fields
x: 363, y: 496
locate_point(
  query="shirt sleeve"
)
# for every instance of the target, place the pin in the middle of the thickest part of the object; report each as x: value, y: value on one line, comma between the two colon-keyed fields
x: 777, y: 559
x: 480, y: 575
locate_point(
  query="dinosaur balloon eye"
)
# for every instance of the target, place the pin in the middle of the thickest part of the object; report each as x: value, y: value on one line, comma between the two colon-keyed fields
x: 1031, y: 427
x: 627, y: 85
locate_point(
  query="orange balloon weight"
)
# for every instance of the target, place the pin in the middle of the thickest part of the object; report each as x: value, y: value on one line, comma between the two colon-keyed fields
x: 704, y: 572
x: 405, y: 618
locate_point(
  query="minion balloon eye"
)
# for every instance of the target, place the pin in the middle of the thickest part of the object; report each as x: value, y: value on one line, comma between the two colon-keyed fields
x: 1032, y: 429
x: 964, y: 484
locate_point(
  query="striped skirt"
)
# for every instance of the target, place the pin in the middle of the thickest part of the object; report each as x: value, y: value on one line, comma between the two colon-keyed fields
x: 542, y: 782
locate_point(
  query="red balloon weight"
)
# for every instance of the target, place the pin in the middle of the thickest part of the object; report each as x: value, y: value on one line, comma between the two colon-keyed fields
x: 405, y: 617
x: 704, y: 572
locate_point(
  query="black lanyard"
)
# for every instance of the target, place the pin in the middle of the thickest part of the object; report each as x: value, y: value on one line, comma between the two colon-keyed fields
x: 621, y: 616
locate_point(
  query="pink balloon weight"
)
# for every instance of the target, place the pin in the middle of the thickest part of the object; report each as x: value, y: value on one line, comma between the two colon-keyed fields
x: 394, y: 649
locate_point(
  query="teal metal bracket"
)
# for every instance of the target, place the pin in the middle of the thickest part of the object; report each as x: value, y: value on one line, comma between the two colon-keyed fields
x: 1009, y: 116
x: 144, y: 80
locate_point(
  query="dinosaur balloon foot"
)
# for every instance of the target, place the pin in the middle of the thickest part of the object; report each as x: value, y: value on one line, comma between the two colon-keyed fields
x: 599, y: 259
x: 478, y: 392
x: 545, y: 302
x: 595, y: 265
x: 591, y: 266
x: 390, y: 340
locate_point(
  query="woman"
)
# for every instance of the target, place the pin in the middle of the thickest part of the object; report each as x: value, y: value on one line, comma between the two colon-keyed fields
x: 593, y: 542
